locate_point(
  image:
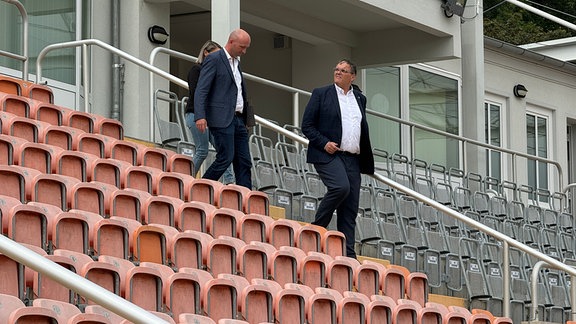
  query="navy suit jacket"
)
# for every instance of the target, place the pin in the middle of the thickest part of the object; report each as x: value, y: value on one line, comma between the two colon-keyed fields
x: 322, y: 123
x: 216, y: 93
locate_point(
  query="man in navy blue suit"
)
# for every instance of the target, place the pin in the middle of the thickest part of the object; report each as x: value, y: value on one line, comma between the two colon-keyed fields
x: 220, y: 103
x: 339, y: 147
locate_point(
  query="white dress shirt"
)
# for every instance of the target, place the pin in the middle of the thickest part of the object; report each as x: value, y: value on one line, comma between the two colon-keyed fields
x: 351, y: 118
x: 238, y: 79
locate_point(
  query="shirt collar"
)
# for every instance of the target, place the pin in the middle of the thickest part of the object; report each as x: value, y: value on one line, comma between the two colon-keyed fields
x: 228, y: 56
x: 341, y: 91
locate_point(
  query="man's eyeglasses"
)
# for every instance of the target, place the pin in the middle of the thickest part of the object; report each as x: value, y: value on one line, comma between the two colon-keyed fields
x: 341, y: 71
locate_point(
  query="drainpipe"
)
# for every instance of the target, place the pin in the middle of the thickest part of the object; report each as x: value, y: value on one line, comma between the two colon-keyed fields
x: 117, y: 67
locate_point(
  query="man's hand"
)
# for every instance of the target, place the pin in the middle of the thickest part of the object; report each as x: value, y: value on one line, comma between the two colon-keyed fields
x: 331, y: 147
x: 201, y: 125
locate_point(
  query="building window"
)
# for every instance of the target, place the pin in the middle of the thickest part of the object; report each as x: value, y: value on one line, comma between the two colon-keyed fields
x: 434, y: 103
x: 493, y: 136
x: 537, y: 145
x: 383, y: 95
x: 49, y: 22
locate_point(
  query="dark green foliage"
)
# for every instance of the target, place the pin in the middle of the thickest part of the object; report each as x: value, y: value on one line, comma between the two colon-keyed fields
x: 510, y: 23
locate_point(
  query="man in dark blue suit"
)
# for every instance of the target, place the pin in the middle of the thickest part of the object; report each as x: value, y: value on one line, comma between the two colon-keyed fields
x: 220, y: 103
x: 339, y: 147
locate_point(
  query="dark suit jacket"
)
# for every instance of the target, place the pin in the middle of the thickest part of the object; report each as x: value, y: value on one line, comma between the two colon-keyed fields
x: 322, y: 123
x: 216, y: 92
x: 193, y: 76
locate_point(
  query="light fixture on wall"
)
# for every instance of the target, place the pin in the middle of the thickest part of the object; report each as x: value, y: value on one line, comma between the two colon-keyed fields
x: 520, y: 91
x: 157, y: 35
x: 454, y: 7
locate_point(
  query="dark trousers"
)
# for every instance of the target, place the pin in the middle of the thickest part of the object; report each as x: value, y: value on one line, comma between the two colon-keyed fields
x: 341, y: 176
x: 231, y: 144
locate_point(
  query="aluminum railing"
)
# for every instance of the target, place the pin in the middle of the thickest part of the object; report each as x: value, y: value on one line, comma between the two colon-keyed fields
x: 506, y: 240
x: 24, y: 56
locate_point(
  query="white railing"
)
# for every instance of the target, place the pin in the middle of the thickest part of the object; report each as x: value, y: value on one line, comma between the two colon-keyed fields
x: 24, y: 56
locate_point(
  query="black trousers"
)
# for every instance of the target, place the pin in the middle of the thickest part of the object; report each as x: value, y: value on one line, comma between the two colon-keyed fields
x: 341, y: 176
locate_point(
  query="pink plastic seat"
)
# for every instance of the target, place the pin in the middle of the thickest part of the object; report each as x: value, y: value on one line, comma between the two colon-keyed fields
x: 14, y: 104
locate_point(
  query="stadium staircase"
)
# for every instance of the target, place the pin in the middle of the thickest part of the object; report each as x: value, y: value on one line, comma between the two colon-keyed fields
x: 132, y: 218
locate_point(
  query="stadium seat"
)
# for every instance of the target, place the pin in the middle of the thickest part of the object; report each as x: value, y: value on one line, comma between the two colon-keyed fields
x: 90, y: 196
x: 380, y: 309
x: 25, y: 223
x: 101, y: 273
x: 46, y: 112
x: 290, y: 306
x: 8, y: 302
x: 333, y: 243
x: 406, y: 311
x: 89, y: 143
x: 66, y: 230
x: 13, y: 281
x: 308, y: 238
x: 169, y: 184
x: 16, y: 181
x: 340, y: 273
x: 223, y: 221
x: 415, y: 284
x: 222, y: 255
x: 201, y: 190
x: 190, y: 318
x: 252, y: 227
x: 71, y: 163
x: 104, y: 170
x: 32, y: 315
x: 149, y: 243
x: 110, y: 236
x: 219, y: 299
x: 139, y: 285
x: 137, y: 177
x: 11, y: 85
x: 45, y: 287
x: 281, y: 232
x: 125, y: 204
x: 320, y: 307
x: 78, y: 119
x: 120, y: 150
x: 68, y: 313
x: 311, y: 267
x: 252, y: 261
x: 188, y: 249
x: 180, y: 163
x: 52, y: 189
x: 37, y: 91
x: 34, y: 155
x: 392, y: 281
x: 282, y: 264
x: 152, y: 157
x: 14, y: 104
x: 192, y: 216
x: 158, y: 210
x: 109, y: 127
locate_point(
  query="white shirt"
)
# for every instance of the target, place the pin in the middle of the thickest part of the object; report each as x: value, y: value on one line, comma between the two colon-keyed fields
x: 351, y: 118
x: 238, y: 79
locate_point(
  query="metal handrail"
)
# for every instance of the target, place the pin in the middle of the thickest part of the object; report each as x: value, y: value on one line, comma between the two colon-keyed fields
x: 507, y: 241
x: 295, y: 91
x: 79, y: 284
x: 84, y: 43
x: 465, y: 140
x: 150, y: 67
x: 24, y: 56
